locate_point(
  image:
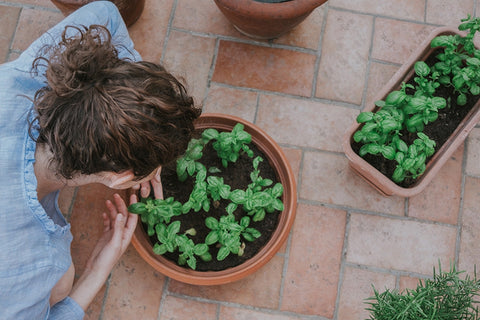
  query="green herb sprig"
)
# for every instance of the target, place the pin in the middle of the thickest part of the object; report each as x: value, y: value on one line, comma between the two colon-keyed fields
x: 444, y: 297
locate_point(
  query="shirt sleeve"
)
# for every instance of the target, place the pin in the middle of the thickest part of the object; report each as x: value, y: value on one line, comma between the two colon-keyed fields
x: 97, y: 12
x: 67, y: 309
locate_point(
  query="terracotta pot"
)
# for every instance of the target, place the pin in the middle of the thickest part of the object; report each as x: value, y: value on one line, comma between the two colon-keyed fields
x: 277, y: 160
x: 382, y: 183
x: 130, y: 10
x: 263, y: 20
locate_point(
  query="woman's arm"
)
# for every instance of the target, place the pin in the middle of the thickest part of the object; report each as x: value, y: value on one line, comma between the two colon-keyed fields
x: 118, y: 228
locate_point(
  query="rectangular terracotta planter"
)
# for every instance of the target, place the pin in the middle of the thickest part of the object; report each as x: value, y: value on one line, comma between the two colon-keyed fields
x: 374, y: 177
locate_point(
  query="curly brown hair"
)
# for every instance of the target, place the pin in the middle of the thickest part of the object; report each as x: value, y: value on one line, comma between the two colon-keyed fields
x: 102, y: 113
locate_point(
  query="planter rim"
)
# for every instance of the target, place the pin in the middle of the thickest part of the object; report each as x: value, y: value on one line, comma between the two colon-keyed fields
x: 264, y: 10
x: 379, y: 181
x: 262, y: 140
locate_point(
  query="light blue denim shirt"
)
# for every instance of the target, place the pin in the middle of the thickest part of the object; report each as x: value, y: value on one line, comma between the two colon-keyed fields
x: 34, y: 237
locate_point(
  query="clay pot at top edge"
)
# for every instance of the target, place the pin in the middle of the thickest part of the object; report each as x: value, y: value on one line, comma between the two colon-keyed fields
x: 374, y: 177
x: 262, y: 20
x: 130, y: 10
x: 275, y: 156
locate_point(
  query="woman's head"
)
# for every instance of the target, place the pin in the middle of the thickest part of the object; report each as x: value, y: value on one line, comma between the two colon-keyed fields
x: 101, y: 113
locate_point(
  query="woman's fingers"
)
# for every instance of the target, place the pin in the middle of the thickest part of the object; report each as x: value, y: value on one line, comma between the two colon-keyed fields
x: 119, y: 226
x: 157, y: 189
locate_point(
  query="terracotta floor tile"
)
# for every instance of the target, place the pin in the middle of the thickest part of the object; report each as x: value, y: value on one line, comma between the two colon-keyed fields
x: 66, y: 201
x: 444, y: 12
x: 202, y: 16
x: 8, y: 23
x: 327, y: 178
x: 356, y: 287
x: 86, y: 221
x: 36, y: 3
x: 307, y: 33
x: 473, y: 153
x: 94, y: 311
x: 311, y: 280
x: 470, y: 237
x: 149, y: 32
x: 294, y: 157
x: 175, y: 308
x: 190, y: 57
x: 240, y: 103
x: 440, y: 201
x: 404, y: 9
x: 304, y: 123
x: 305, y: 89
x: 231, y: 313
x: 378, y: 76
x: 264, y: 68
x: 393, y: 243
x: 135, y: 288
x: 32, y: 24
x: 345, y: 49
x: 394, y: 41
x: 262, y: 289
x: 410, y: 283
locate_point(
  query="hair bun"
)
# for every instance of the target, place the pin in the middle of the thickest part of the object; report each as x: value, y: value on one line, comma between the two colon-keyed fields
x: 81, y: 60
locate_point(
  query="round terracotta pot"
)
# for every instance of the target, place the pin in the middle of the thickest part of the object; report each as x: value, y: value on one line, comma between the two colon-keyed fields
x: 130, y: 10
x: 278, y: 161
x: 264, y: 20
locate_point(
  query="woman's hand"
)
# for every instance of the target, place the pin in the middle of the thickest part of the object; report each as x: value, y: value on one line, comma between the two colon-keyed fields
x: 155, y: 183
x: 118, y: 228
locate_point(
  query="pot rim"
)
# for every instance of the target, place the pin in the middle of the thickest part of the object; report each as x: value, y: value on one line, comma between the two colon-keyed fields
x: 379, y: 181
x: 264, y: 10
x: 278, y: 160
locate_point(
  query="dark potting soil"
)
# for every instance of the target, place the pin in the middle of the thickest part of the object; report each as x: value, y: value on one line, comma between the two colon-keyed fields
x: 237, y: 176
x: 448, y: 120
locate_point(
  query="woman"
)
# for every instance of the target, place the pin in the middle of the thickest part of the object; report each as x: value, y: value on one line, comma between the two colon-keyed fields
x: 91, y: 112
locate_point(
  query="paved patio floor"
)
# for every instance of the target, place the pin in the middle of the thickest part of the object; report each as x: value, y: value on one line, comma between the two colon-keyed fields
x: 304, y: 89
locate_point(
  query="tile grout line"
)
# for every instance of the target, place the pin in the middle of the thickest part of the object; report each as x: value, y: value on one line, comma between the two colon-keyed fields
x: 425, y: 11
x: 384, y: 16
x: 343, y: 261
x: 318, y: 58
x: 217, y: 312
x: 211, y: 71
x: 374, y: 213
x: 369, y: 64
x: 252, y: 42
x: 165, y: 292
x: 14, y: 34
x: 105, y: 295
x: 72, y: 204
x: 286, y: 259
x: 247, y: 307
x: 336, y: 103
x: 458, y: 240
x: 169, y: 28
x: 393, y: 272
x: 28, y: 6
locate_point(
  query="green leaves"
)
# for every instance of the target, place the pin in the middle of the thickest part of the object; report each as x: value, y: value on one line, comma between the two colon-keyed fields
x: 417, y: 104
x: 187, y: 164
x: 446, y: 296
x: 227, y: 233
x: 153, y: 211
x: 229, y: 144
x: 260, y: 197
